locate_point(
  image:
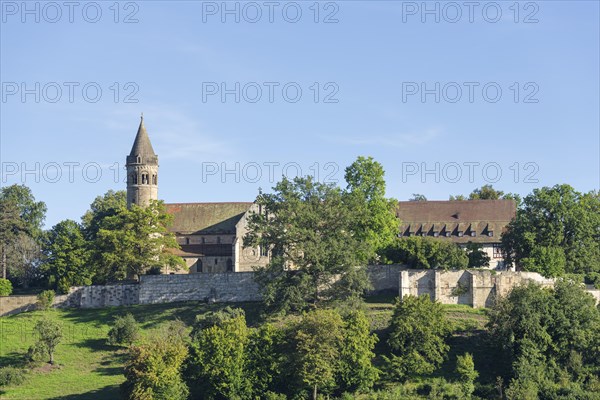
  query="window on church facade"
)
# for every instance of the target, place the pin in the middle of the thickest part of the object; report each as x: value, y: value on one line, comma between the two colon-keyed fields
x: 229, y: 265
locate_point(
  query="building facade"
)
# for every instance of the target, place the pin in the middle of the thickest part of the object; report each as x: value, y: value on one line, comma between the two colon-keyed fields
x: 210, y: 235
x: 461, y: 222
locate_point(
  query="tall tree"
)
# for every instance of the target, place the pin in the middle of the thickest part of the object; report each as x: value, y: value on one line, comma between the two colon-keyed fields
x: 219, y: 363
x: 11, y: 227
x: 356, y: 370
x: 20, y: 215
x: 108, y: 205
x: 318, y: 339
x: 555, y: 224
x: 374, y: 219
x: 153, y: 370
x: 31, y: 212
x: 309, y: 230
x: 67, y: 257
x: 134, y: 240
x: 545, y: 334
x: 417, y: 337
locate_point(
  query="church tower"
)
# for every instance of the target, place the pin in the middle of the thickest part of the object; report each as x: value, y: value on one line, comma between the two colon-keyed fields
x: 142, y: 170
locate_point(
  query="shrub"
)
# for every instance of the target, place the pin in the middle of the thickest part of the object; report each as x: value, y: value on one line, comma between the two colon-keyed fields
x: 125, y: 330
x: 45, y: 300
x: 50, y: 335
x: 35, y: 353
x: 153, y: 371
x: 11, y: 376
x: 5, y: 287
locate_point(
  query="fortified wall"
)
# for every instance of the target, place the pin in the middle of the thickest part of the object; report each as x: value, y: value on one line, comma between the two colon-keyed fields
x: 474, y: 288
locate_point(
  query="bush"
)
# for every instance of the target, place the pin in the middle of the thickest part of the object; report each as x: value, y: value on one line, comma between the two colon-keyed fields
x: 5, y: 287
x: 11, y: 376
x: 124, y: 331
x: 45, y: 300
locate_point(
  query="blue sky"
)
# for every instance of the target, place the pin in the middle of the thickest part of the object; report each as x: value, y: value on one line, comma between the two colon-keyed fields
x: 361, y: 78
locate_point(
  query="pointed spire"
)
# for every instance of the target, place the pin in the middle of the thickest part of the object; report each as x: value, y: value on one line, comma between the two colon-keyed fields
x: 142, y: 145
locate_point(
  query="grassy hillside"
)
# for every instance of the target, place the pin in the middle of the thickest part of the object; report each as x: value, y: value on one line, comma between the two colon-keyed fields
x: 90, y: 369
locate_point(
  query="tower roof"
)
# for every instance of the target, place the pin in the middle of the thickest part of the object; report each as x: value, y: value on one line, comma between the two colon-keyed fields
x: 142, y: 145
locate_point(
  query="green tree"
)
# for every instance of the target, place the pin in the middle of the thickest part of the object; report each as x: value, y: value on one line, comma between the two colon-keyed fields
x: 545, y: 334
x: 374, y: 215
x: 265, y: 359
x: 486, y: 192
x: 26, y: 260
x: 319, y: 336
x: 309, y: 229
x: 218, y: 361
x: 477, y: 257
x: 108, y: 205
x: 67, y: 257
x: 418, y: 331
x: 427, y: 253
x: 465, y: 368
x: 124, y: 330
x: 45, y: 300
x: 551, y: 219
x: 418, y: 197
x: 5, y: 287
x: 134, y: 240
x: 50, y: 335
x: 356, y: 371
x: 153, y: 370
x: 31, y: 212
x: 11, y: 227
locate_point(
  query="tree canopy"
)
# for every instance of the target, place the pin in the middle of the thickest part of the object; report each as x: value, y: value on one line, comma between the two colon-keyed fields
x: 556, y: 230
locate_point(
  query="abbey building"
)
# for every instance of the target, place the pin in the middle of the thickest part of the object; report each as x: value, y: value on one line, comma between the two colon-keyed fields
x: 210, y: 234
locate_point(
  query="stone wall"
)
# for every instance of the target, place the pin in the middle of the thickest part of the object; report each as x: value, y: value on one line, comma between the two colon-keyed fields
x: 97, y: 296
x: 222, y: 287
x: 384, y: 278
x: 475, y: 288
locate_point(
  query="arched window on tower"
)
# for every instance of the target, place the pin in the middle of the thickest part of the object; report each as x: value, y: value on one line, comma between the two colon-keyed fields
x: 154, y: 181
x: 138, y: 159
x: 145, y: 179
x: 134, y: 179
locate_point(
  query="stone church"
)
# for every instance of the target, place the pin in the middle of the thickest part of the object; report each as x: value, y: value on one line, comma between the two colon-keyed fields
x: 210, y: 234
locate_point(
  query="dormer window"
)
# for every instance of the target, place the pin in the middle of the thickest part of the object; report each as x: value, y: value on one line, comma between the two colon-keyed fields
x: 138, y: 159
